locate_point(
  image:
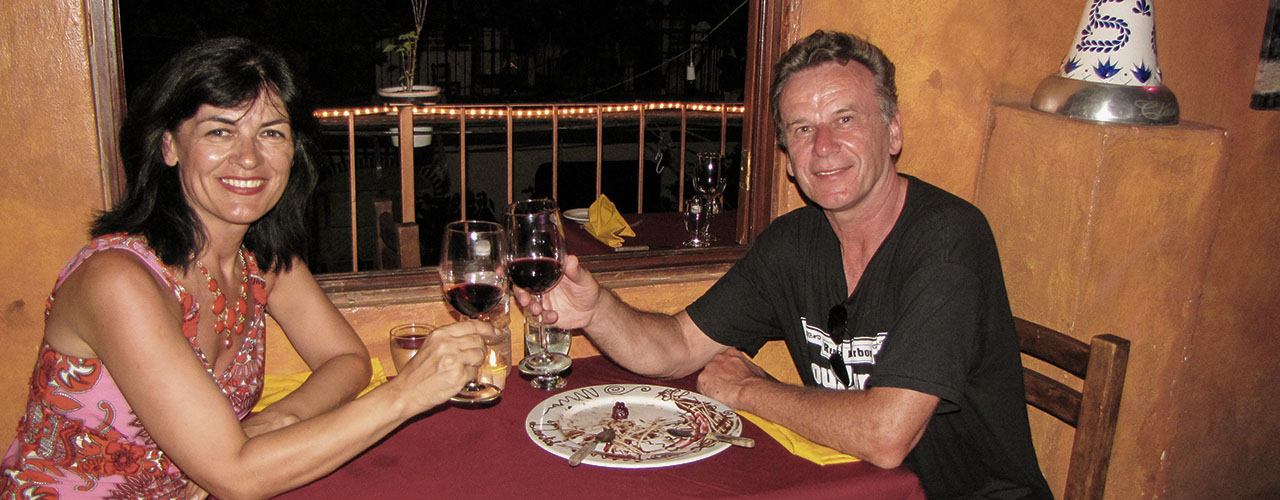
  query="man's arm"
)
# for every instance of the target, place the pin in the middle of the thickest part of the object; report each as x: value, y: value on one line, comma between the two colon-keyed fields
x: 647, y: 343
x: 880, y: 425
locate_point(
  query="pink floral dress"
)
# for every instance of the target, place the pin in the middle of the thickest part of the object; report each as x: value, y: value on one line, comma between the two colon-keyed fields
x: 79, y: 437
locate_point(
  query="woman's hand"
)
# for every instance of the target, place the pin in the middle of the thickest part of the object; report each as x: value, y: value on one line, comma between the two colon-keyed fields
x: 448, y: 359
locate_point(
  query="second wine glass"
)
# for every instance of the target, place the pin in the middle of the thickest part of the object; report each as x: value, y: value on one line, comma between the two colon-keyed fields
x: 473, y: 273
x: 708, y: 174
x: 537, y: 254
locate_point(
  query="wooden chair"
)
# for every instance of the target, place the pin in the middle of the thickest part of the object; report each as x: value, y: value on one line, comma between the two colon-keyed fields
x: 1092, y: 412
x: 397, y: 246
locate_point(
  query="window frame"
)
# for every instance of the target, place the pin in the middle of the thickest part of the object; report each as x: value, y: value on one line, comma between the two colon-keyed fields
x: 764, y: 27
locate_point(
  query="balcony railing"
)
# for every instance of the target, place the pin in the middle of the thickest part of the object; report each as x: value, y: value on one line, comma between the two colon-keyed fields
x: 538, y: 144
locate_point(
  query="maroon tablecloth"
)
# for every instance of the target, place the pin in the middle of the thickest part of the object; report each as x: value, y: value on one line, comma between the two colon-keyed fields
x: 657, y: 231
x: 455, y: 452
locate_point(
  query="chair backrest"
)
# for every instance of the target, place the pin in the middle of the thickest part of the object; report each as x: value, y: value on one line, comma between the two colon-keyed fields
x: 1101, y: 365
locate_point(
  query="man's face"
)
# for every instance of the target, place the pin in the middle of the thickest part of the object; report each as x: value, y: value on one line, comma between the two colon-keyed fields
x: 840, y: 147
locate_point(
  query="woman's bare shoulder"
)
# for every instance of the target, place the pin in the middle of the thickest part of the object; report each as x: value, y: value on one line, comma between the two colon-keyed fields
x: 110, y: 288
x: 115, y: 271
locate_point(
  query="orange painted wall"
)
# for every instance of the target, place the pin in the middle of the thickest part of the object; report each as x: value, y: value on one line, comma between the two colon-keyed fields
x: 50, y: 182
x: 956, y: 60
x: 1106, y: 229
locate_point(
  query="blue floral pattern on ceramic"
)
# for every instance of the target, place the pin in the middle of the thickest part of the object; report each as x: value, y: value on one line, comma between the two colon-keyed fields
x: 1115, y: 43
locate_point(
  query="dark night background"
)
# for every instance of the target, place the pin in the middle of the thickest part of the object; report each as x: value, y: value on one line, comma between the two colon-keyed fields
x: 337, y: 43
x: 478, y: 52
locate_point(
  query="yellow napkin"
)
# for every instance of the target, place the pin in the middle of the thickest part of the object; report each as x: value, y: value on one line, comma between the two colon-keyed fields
x: 276, y: 387
x: 606, y: 224
x: 798, y: 445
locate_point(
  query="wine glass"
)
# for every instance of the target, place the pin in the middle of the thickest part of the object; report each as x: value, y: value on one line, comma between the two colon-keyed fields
x: 537, y: 253
x: 709, y: 179
x: 697, y: 220
x: 473, y: 274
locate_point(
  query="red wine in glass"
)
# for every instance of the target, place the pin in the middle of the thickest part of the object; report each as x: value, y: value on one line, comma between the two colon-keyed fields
x: 534, y: 274
x: 473, y: 299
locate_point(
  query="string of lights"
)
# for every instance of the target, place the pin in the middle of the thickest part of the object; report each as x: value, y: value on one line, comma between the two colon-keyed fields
x: 531, y: 111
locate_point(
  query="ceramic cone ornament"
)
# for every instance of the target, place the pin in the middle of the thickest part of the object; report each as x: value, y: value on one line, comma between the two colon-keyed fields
x: 1111, y: 74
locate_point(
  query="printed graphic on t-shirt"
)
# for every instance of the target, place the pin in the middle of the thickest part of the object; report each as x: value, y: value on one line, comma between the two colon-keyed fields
x: 859, y: 355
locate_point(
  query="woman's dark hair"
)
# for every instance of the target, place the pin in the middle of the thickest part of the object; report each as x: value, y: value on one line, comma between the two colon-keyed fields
x: 227, y: 73
x: 832, y: 46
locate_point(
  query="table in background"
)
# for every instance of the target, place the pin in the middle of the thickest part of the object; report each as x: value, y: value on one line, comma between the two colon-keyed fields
x: 455, y: 452
x: 658, y: 231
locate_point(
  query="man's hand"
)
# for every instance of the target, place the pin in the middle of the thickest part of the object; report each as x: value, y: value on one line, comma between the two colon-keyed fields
x: 728, y: 374
x: 573, y: 301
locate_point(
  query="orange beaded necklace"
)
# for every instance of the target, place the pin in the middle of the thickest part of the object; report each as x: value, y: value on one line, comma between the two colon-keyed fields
x: 220, y: 326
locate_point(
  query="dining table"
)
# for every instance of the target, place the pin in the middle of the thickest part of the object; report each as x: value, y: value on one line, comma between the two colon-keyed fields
x: 462, y: 452
x: 653, y: 231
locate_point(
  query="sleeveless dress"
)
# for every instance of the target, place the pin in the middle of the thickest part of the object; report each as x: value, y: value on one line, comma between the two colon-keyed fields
x: 79, y: 437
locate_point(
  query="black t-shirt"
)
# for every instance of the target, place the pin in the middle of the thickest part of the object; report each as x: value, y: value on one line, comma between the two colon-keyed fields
x: 930, y: 314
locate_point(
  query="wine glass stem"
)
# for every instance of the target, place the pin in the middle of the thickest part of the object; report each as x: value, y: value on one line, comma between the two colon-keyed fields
x: 474, y: 384
x: 542, y: 330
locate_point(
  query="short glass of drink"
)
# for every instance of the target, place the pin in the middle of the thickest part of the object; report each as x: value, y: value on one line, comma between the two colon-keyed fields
x: 558, y: 341
x: 405, y: 341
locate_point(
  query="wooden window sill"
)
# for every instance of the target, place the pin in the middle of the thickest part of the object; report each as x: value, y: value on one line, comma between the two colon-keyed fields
x: 618, y: 270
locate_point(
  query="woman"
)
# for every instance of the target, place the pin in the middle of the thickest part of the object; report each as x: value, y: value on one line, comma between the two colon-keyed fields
x: 154, y: 333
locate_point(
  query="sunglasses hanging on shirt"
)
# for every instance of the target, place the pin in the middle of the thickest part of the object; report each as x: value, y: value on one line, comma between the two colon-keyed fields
x: 837, y: 327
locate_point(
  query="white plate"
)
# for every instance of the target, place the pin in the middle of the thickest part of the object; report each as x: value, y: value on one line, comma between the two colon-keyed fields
x: 563, y: 422
x: 578, y: 215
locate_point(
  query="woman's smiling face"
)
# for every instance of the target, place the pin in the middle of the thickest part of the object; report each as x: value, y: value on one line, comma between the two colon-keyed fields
x: 234, y: 162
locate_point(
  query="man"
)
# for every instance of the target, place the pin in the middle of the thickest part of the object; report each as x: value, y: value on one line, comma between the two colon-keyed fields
x: 887, y: 290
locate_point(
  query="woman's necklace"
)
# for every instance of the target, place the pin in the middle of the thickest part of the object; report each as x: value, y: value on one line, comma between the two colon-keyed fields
x: 220, y: 326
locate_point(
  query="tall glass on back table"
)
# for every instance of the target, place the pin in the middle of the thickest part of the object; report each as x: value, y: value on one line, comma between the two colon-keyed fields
x: 709, y: 179
x: 473, y: 273
x: 537, y: 254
